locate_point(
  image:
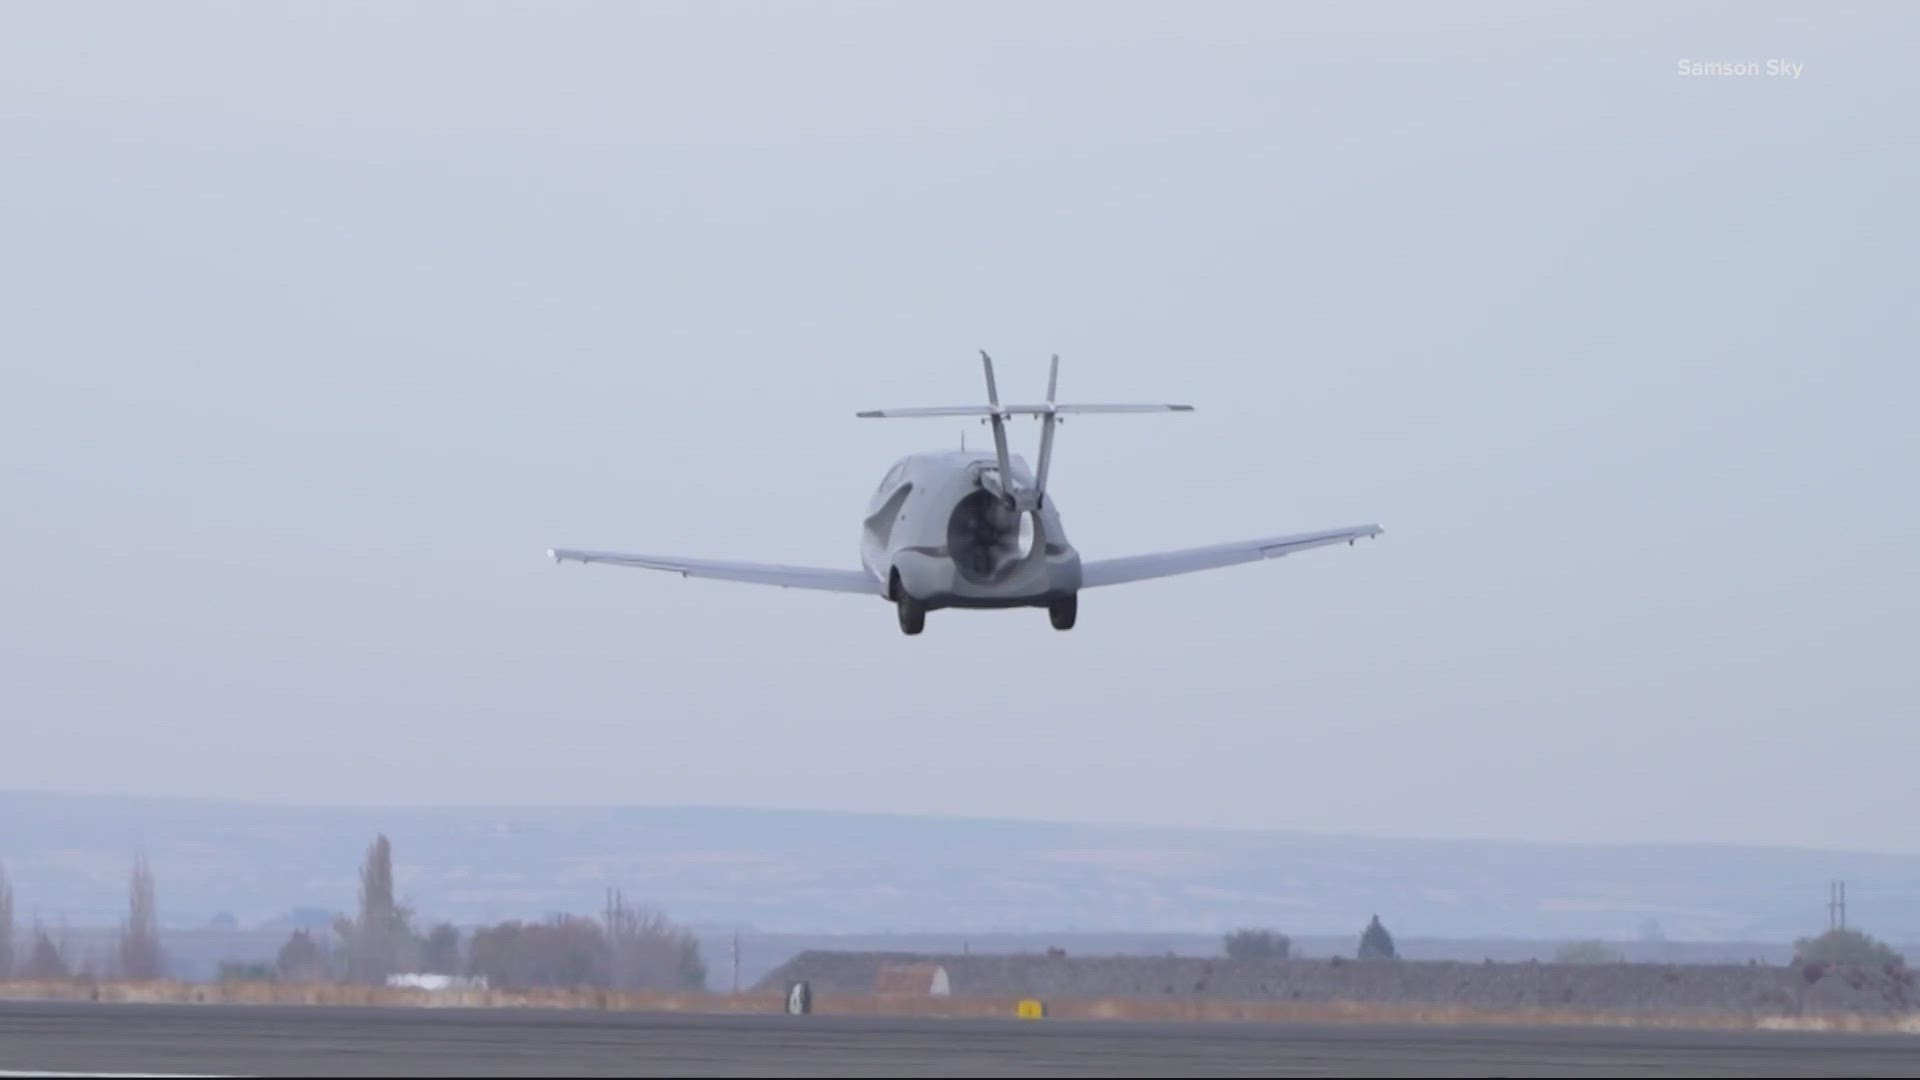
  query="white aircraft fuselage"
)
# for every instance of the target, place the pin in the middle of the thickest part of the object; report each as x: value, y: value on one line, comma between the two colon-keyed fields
x: 939, y: 528
x: 976, y: 529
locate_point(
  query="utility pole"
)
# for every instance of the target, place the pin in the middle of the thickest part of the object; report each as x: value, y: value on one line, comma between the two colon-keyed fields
x: 736, y: 961
x: 1837, y: 906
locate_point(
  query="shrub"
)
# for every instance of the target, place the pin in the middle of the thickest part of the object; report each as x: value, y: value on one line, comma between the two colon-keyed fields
x: 1249, y: 943
x: 1849, y: 947
x: 1588, y: 952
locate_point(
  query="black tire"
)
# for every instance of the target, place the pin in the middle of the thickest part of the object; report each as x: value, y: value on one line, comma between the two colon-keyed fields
x: 913, y: 614
x: 1062, y: 613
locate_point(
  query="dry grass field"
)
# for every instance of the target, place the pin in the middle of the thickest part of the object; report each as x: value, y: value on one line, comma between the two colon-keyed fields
x: 921, y: 1005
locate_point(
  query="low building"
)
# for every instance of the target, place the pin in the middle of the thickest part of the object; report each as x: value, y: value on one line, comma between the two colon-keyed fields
x: 426, y: 981
x: 913, y: 979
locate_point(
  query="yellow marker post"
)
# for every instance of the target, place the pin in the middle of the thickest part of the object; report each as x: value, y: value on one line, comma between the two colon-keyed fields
x: 1032, y: 1009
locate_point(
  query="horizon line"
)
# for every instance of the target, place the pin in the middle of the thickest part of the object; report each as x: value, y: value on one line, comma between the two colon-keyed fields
x: 946, y: 816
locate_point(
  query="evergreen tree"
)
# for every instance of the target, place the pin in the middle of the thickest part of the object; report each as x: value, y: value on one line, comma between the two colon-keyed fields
x: 6, y: 925
x: 1375, y: 942
x: 440, y: 952
x: 378, y: 942
x: 46, y: 961
x: 300, y: 959
x: 140, y: 939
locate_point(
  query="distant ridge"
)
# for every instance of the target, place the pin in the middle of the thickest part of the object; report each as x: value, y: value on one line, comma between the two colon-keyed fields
x: 828, y: 871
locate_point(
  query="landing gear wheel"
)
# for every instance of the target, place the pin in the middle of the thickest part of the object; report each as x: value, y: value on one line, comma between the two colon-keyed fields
x: 1063, y: 612
x: 913, y: 614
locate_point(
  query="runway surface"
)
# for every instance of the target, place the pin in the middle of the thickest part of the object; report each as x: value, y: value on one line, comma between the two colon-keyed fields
x: 213, y: 1039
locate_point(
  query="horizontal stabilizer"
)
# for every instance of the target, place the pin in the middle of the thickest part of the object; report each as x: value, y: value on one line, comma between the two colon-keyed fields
x: 1112, y: 408
x: 1014, y: 410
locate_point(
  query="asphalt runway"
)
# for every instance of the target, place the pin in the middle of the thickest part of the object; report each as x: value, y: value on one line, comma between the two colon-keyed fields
x: 313, y: 1041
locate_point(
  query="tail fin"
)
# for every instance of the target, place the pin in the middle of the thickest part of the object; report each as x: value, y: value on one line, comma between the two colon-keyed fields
x: 996, y: 413
x: 1047, y: 422
x: 999, y: 421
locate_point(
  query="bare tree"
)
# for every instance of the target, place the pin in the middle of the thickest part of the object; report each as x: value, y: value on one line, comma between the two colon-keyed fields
x: 564, y: 951
x: 630, y: 950
x: 6, y: 924
x: 647, y: 952
x: 140, y: 956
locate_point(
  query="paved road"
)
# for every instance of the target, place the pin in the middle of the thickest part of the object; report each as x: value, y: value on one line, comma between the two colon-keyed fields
x: 345, y: 1042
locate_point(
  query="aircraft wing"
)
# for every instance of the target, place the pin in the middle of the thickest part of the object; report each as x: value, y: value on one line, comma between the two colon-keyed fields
x: 787, y: 577
x: 1186, y: 561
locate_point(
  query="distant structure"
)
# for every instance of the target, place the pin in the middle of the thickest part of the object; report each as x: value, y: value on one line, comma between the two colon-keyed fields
x: 420, y: 980
x: 1837, y: 906
x: 928, y: 979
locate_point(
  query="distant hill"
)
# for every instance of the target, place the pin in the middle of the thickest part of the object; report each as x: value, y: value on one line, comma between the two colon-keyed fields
x: 816, y: 872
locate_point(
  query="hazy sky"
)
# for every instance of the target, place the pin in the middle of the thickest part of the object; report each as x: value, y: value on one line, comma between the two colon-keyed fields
x: 321, y: 322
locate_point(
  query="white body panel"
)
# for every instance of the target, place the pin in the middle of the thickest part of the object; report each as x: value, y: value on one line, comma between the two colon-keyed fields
x: 910, y: 537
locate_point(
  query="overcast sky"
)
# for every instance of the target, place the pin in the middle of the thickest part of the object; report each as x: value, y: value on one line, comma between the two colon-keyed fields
x: 320, y: 323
